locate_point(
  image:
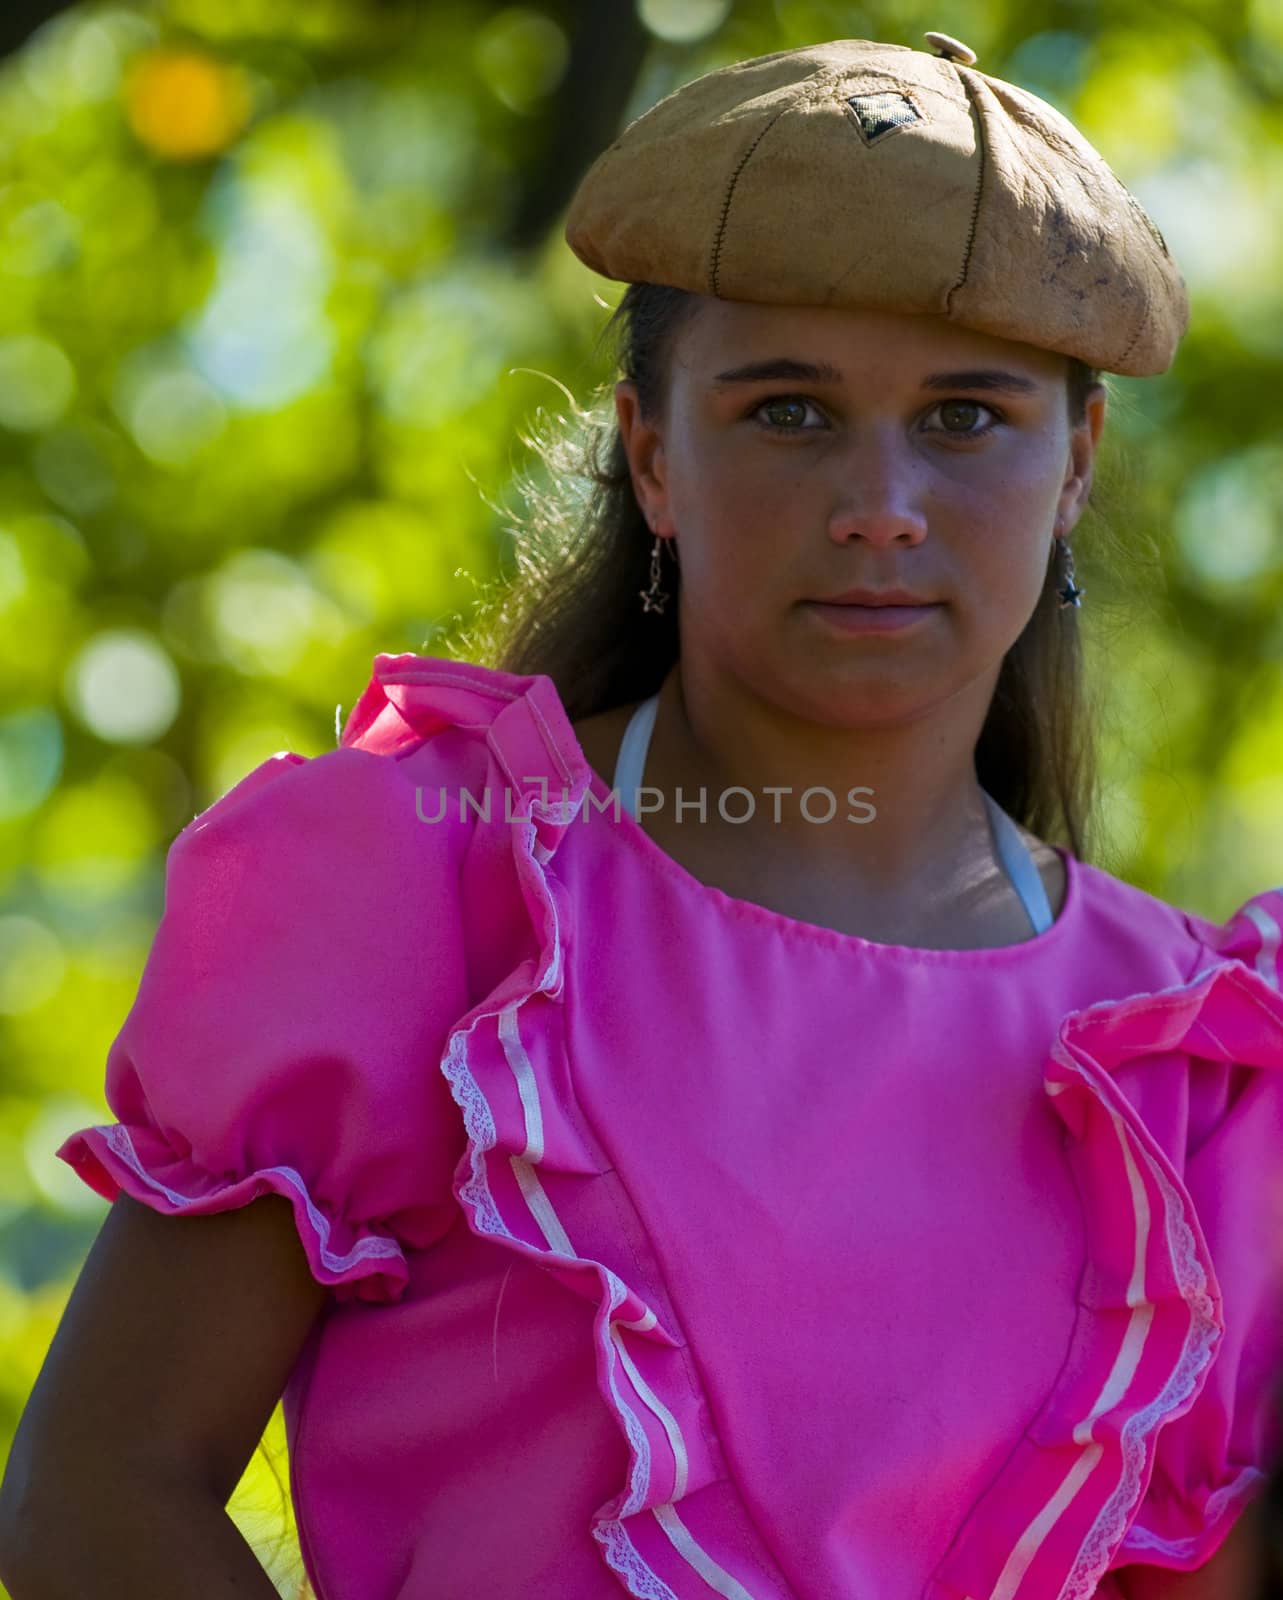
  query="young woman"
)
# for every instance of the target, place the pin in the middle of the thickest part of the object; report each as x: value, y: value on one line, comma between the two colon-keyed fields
x: 725, y: 1148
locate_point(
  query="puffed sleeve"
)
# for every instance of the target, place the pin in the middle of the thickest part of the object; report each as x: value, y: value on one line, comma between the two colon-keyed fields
x: 1215, y: 1458
x: 290, y: 1019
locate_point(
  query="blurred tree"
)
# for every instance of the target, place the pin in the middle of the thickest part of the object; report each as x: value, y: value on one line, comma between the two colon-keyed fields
x: 608, y: 46
x: 20, y: 19
x: 278, y: 282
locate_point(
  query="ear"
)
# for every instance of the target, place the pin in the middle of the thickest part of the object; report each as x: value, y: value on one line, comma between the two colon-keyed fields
x: 643, y: 443
x: 1084, y: 438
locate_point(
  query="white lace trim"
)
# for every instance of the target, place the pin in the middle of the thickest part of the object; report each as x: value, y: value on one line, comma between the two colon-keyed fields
x: 1220, y: 1503
x: 117, y: 1136
x: 1105, y: 1538
x: 618, y: 1549
x: 622, y: 1556
x: 1098, y: 1548
x: 1111, y: 1524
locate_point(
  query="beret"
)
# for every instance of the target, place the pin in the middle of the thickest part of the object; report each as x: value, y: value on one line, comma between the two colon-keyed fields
x: 862, y: 174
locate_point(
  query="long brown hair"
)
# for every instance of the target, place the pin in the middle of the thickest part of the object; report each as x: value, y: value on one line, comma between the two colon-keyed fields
x: 571, y: 609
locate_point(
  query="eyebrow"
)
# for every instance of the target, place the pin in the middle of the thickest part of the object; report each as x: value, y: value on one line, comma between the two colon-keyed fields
x: 823, y: 372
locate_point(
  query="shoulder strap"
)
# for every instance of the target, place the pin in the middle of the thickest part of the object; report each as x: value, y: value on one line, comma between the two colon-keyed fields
x: 630, y: 765
x: 1019, y: 863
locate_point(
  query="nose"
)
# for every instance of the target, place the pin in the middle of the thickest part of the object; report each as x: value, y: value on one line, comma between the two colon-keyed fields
x: 876, y: 494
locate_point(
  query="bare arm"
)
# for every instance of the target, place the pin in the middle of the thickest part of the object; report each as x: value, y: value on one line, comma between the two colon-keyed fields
x: 178, y: 1339
x: 139, y: 1536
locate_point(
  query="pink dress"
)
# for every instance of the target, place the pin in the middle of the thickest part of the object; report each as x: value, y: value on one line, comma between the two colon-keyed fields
x: 678, y: 1247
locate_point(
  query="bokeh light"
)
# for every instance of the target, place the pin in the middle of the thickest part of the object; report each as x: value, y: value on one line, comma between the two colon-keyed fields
x: 522, y: 54
x: 31, y: 752
x: 267, y: 356
x: 37, y: 382
x: 123, y: 686
x: 184, y: 104
x: 31, y: 964
x: 685, y: 21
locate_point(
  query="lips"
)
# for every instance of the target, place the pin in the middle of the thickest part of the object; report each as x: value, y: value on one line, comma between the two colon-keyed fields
x: 855, y: 618
x: 864, y: 597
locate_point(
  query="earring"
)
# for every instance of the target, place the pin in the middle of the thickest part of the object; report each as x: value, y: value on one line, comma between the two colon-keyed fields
x: 654, y: 598
x: 1069, y: 594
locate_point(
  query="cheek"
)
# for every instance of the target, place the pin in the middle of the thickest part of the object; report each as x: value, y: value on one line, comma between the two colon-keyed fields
x: 735, y: 559
x: 1012, y: 567
x: 732, y: 517
x: 1003, y: 588
x: 728, y: 461
x: 1006, y: 514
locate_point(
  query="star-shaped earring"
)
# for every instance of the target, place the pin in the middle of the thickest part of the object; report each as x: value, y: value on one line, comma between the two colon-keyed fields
x: 654, y: 598
x: 1070, y: 594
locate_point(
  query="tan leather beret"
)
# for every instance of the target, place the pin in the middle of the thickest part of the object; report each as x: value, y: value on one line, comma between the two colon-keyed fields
x: 855, y: 173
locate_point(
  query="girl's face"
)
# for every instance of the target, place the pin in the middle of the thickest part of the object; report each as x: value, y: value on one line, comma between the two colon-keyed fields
x: 914, y: 454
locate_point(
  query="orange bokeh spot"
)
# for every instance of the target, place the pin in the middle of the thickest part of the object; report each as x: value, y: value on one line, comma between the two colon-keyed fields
x: 185, y: 105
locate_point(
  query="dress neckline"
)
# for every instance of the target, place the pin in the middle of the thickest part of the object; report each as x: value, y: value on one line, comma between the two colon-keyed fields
x: 1013, y: 853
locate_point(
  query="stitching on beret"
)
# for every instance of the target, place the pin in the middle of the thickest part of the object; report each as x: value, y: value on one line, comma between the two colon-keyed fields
x: 982, y: 149
x: 1147, y: 298
x: 821, y: 84
x: 730, y: 191
x: 1145, y: 301
x: 1144, y: 217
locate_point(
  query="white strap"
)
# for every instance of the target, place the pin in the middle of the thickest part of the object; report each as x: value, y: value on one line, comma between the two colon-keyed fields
x: 630, y: 764
x: 1020, y: 865
x: 1014, y: 853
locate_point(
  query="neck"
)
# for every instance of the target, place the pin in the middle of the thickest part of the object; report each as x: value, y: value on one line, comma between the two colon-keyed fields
x: 918, y: 814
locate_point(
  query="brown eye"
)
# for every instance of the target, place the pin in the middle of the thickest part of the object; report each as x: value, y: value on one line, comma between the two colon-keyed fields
x: 949, y: 411
x: 776, y: 409
x: 783, y: 405
x: 951, y: 408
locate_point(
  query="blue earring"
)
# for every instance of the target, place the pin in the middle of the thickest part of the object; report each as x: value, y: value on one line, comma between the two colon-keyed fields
x: 1070, y: 595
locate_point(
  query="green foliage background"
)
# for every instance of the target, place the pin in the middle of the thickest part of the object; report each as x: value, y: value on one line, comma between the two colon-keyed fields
x: 267, y: 355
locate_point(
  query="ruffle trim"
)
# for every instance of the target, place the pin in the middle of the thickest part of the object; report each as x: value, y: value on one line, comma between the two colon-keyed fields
x: 533, y: 1177
x: 1149, y: 1318
x: 350, y: 1258
x: 1219, y: 1511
